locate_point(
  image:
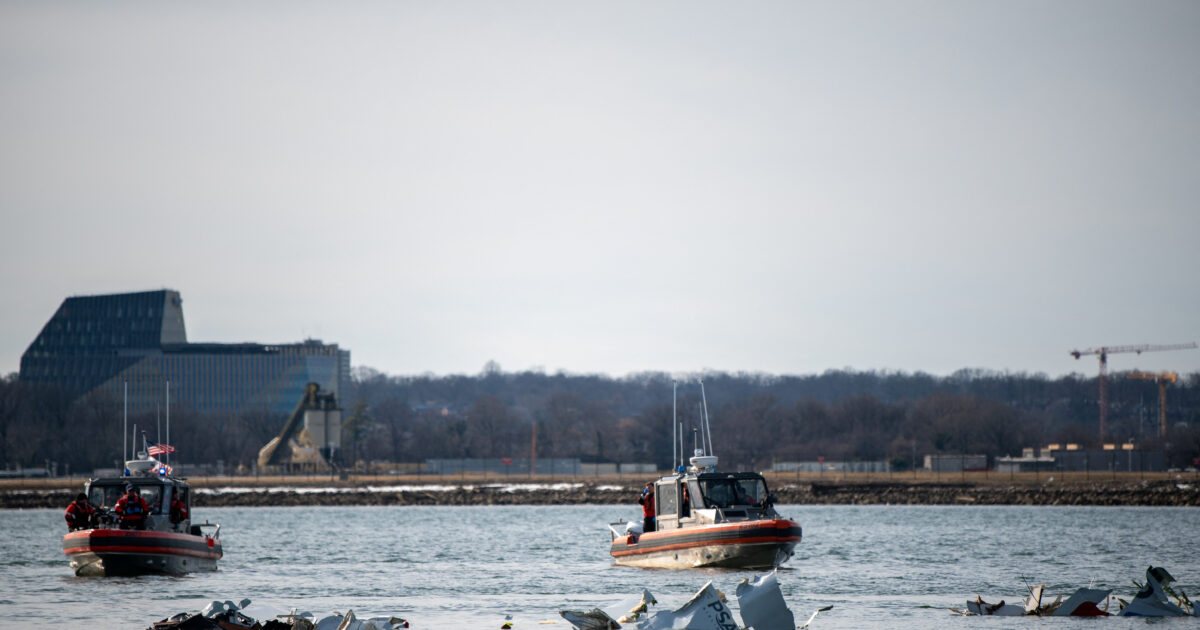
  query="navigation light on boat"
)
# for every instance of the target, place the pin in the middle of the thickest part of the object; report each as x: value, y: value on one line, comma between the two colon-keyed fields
x: 162, y: 470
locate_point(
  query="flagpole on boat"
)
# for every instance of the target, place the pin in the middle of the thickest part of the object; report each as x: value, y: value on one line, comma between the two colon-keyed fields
x: 674, y: 455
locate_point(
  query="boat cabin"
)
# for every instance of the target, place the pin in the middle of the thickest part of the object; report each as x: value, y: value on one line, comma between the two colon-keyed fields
x: 711, y: 497
x: 158, y: 492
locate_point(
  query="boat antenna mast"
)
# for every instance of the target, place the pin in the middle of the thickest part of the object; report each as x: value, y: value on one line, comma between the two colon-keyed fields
x: 674, y: 419
x: 707, y: 426
x: 125, y: 429
x: 168, y: 453
x: 682, y: 457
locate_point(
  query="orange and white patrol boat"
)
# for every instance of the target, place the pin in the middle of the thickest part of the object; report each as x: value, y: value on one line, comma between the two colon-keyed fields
x: 709, y: 519
x: 163, y: 546
x: 705, y: 518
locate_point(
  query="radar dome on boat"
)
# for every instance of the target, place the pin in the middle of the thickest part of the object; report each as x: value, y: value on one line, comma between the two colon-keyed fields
x: 701, y: 462
x: 140, y: 465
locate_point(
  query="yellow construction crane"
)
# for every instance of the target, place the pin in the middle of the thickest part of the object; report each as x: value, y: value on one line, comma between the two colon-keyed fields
x: 1162, y: 378
x: 1104, y: 351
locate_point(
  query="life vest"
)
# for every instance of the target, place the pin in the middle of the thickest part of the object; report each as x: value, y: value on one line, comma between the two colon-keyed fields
x: 79, y: 515
x: 132, y: 507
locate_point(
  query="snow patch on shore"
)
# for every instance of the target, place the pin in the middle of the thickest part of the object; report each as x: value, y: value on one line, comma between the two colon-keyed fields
x: 509, y: 488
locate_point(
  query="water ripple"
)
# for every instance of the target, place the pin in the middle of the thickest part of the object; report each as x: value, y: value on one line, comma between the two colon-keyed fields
x: 894, y: 566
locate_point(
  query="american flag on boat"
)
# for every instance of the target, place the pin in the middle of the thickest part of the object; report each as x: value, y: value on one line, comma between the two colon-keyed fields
x: 159, y: 449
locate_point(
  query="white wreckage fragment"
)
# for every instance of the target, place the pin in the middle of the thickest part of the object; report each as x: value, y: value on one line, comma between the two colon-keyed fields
x: 760, y: 600
x: 229, y: 616
x: 350, y: 621
x: 612, y: 616
x: 762, y: 604
x: 1084, y: 602
x: 706, y: 610
x: 1152, y: 600
x: 999, y: 609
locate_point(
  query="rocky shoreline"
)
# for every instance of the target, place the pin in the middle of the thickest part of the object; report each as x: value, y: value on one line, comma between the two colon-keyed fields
x: 1131, y: 493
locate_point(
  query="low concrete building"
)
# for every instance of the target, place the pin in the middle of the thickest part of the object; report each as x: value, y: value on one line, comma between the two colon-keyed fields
x: 571, y: 466
x: 1025, y: 463
x: 825, y: 467
x: 955, y: 463
x: 1078, y: 460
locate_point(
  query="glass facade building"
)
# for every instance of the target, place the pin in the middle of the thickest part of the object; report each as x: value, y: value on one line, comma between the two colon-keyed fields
x: 103, y: 343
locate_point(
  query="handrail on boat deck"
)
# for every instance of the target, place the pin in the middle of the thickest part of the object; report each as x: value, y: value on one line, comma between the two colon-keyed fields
x: 618, y: 533
x: 216, y: 535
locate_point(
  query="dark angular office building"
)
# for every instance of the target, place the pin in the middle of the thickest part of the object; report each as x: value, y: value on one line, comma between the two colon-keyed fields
x: 101, y: 343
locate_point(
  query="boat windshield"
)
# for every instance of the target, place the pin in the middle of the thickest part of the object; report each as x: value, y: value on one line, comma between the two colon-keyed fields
x: 725, y: 493
x: 153, y: 497
x: 107, y: 496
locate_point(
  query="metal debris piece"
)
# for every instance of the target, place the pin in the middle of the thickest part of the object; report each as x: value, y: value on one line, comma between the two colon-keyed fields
x: 594, y: 619
x: 760, y: 600
x: 349, y: 622
x: 628, y: 610
x: 229, y: 616
x: 814, y: 616
x: 762, y: 604
x: 1152, y: 598
x: 1034, y: 602
x: 1084, y: 602
x: 704, y: 611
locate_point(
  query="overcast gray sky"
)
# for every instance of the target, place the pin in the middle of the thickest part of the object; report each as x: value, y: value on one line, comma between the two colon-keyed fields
x: 785, y: 187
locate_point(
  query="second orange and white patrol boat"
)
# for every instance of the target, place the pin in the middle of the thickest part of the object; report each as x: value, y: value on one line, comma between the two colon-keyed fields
x: 706, y: 518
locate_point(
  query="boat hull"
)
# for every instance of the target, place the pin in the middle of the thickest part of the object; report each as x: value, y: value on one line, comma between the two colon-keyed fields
x: 105, y: 552
x: 742, y: 545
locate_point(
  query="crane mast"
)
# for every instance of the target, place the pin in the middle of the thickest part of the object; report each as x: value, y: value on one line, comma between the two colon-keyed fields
x: 1162, y: 378
x: 1103, y: 353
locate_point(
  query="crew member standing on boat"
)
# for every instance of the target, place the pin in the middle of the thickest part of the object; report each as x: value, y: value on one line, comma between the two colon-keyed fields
x: 79, y: 513
x: 647, y: 501
x: 132, y: 509
x: 179, y: 511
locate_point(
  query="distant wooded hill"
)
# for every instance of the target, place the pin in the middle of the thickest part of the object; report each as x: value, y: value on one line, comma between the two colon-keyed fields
x: 760, y: 418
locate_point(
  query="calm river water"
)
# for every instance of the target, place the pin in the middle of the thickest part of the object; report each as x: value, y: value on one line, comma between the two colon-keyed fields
x: 467, y: 567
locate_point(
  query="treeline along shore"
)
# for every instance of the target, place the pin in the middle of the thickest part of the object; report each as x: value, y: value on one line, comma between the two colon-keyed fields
x: 1174, y: 490
x: 758, y: 420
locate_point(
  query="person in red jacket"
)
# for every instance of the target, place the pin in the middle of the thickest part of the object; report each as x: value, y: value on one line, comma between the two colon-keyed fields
x: 179, y: 511
x: 132, y: 509
x: 647, y: 501
x: 79, y: 513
